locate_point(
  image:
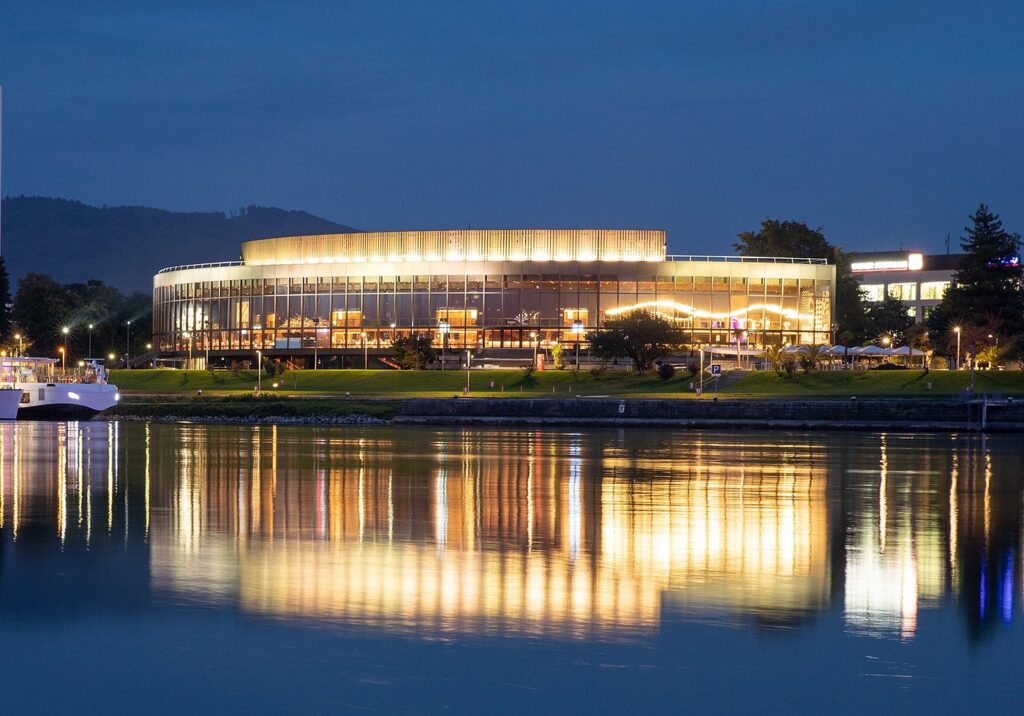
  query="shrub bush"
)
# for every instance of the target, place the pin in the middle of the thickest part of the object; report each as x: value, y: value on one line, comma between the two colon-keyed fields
x: 528, y: 379
x: 666, y: 371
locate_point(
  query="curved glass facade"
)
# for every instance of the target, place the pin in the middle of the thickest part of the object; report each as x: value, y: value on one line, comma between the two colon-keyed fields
x: 336, y: 294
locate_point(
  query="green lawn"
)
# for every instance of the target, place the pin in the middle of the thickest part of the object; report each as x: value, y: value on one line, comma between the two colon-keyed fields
x: 510, y: 383
x: 393, y: 383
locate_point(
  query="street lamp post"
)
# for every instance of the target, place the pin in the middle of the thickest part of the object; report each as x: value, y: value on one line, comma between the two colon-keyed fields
x: 17, y: 337
x: 259, y: 370
x: 316, y: 340
x: 188, y: 337
x: 533, y: 337
x: 64, y: 348
x: 443, y: 327
x: 577, y: 331
x: 956, y: 330
x: 972, y: 350
x: 128, y: 348
x: 90, y: 340
x: 366, y: 361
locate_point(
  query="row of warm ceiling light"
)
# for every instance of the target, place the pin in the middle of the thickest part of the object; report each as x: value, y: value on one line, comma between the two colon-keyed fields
x: 432, y: 258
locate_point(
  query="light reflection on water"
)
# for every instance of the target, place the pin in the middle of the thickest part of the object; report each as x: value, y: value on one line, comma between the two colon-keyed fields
x: 603, y: 536
x: 537, y: 533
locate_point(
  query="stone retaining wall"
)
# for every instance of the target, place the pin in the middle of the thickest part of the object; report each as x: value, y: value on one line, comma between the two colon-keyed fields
x: 629, y: 411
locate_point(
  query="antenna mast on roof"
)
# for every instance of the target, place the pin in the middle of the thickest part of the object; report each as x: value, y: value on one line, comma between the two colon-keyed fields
x: 947, y: 244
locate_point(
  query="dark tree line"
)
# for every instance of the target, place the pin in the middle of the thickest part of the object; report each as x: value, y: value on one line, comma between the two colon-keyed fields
x: 42, y: 308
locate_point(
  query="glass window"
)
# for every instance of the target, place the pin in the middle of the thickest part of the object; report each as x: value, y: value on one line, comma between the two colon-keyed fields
x: 933, y: 290
x: 903, y: 291
x: 873, y: 291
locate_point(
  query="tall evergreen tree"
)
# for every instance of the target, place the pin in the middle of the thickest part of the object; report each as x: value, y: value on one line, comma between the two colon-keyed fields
x: 986, y: 289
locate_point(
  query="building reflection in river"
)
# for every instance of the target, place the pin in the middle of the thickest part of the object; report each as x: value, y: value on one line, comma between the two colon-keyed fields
x: 533, y: 532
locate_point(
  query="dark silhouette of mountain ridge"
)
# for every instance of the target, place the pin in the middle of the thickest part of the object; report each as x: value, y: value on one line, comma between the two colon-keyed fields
x: 125, y: 245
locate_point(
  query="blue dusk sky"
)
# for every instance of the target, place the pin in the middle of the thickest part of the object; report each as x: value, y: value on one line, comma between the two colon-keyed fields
x: 885, y: 123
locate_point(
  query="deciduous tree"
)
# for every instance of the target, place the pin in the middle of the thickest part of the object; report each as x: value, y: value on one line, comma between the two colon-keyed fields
x: 794, y: 238
x: 41, y: 308
x: 639, y: 335
x: 888, y: 317
x: 414, y: 352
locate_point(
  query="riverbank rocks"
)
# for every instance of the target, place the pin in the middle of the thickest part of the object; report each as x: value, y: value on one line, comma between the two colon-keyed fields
x: 351, y: 419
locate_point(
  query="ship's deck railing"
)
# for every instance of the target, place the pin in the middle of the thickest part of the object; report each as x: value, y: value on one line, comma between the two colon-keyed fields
x: 669, y: 257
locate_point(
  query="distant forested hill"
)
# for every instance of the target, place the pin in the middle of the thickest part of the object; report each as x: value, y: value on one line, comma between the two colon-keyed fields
x: 125, y: 245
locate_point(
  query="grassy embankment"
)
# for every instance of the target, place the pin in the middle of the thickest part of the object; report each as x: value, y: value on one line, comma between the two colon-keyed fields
x: 397, y: 384
x: 385, y: 384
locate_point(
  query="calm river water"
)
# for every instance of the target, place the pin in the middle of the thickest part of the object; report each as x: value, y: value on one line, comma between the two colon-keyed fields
x: 184, y: 568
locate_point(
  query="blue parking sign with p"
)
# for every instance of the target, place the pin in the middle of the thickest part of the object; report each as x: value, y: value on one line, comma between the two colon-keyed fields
x: 716, y: 369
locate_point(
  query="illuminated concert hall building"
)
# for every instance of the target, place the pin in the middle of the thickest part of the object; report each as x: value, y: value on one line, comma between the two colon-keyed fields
x: 487, y: 290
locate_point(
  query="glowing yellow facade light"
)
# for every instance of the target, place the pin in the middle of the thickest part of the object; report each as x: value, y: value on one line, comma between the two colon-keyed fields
x: 692, y: 312
x: 461, y: 245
